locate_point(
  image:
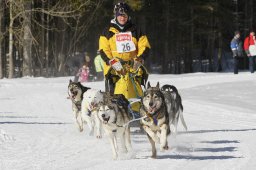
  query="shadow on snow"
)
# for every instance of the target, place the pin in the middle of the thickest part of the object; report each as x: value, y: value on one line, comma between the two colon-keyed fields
x: 39, y: 123
x: 195, y: 157
x: 212, y: 131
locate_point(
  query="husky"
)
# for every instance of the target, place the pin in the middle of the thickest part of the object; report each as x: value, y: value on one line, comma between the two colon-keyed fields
x: 75, y: 92
x: 91, y: 99
x: 174, y: 106
x: 113, y: 113
x: 160, y: 109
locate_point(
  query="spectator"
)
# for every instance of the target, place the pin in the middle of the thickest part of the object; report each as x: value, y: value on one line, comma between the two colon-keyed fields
x: 250, y: 49
x: 236, y: 47
x: 87, y: 59
x: 98, y: 63
x: 74, y: 62
x: 83, y: 74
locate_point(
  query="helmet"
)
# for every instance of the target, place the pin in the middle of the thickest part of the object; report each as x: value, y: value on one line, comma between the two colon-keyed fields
x: 121, y: 8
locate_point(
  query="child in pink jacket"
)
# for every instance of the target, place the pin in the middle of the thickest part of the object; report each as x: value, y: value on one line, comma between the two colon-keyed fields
x: 83, y: 74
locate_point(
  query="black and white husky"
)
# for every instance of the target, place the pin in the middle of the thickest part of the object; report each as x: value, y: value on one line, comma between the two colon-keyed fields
x: 113, y: 113
x: 160, y: 109
x: 75, y: 92
x: 174, y: 106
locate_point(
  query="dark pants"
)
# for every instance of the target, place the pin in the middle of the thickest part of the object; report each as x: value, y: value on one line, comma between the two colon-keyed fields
x: 252, y: 63
x: 236, y: 65
x: 109, y: 86
x: 100, y: 76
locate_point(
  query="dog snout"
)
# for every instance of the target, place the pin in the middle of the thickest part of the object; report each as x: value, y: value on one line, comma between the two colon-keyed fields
x: 103, y: 115
x: 151, y: 104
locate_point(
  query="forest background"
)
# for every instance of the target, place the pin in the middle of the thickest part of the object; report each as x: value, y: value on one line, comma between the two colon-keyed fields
x: 51, y: 38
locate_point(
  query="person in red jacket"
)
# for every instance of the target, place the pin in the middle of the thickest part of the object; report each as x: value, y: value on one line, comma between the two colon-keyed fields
x: 250, y: 49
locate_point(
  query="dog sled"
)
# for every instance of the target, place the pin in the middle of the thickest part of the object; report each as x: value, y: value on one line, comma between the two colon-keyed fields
x: 128, y: 80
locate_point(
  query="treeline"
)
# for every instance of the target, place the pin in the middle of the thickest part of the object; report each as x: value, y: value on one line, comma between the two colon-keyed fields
x: 42, y: 37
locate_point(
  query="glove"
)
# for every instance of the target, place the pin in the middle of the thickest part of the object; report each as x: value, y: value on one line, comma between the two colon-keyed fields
x: 115, y: 64
x: 137, y: 62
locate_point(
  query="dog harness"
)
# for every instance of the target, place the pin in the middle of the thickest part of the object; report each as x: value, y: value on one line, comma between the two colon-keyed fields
x: 153, y: 117
x: 77, y: 104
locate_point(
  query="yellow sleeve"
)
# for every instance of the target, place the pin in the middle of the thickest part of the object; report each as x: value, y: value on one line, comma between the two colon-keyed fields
x: 105, y: 46
x: 142, y: 45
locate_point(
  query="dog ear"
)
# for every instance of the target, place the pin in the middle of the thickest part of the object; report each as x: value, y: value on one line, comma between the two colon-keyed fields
x: 149, y: 85
x: 70, y: 81
x: 100, y: 103
x: 79, y: 84
x: 157, y: 85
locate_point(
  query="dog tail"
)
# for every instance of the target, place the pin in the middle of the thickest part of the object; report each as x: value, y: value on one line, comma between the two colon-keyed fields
x: 172, y: 88
x: 168, y: 87
x: 182, y: 120
x: 85, y: 88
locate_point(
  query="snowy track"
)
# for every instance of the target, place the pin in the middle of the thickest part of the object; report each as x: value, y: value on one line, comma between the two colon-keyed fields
x: 37, y: 130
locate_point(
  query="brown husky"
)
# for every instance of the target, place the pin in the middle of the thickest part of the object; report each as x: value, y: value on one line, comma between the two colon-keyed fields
x: 161, y: 108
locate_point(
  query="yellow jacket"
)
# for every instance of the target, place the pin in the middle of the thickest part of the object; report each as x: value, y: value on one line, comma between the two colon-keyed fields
x: 108, y: 47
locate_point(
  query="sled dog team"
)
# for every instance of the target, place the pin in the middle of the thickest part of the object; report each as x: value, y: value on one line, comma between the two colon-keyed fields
x: 161, y: 108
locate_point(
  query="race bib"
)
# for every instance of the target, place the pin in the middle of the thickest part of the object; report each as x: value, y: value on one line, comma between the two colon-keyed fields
x: 124, y: 42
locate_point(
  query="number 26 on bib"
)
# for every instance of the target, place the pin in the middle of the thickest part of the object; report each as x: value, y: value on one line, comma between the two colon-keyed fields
x: 124, y: 42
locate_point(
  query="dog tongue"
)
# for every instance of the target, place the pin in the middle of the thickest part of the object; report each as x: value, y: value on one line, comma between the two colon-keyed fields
x: 151, y: 109
x: 91, y: 106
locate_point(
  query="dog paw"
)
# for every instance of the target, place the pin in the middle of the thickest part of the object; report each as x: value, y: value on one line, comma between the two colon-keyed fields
x: 131, y: 155
x: 114, y: 157
x: 153, y: 156
x: 98, y: 136
x: 123, y: 151
x: 80, y: 129
x: 173, y: 129
x: 163, y: 148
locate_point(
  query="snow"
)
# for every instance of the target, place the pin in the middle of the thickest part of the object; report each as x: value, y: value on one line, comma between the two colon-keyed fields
x: 37, y: 129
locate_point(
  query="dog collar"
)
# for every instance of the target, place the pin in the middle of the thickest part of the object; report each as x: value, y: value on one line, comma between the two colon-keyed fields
x: 114, y: 122
x: 78, y: 103
x: 153, y: 117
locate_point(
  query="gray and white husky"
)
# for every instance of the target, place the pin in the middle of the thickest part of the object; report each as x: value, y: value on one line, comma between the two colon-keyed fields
x: 113, y: 113
x: 161, y: 108
x: 75, y: 92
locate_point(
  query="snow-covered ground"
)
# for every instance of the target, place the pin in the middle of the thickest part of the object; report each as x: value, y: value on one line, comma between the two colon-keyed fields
x: 37, y: 130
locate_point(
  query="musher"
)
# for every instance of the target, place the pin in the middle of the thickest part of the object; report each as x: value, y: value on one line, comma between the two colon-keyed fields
x: 124, y: 47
